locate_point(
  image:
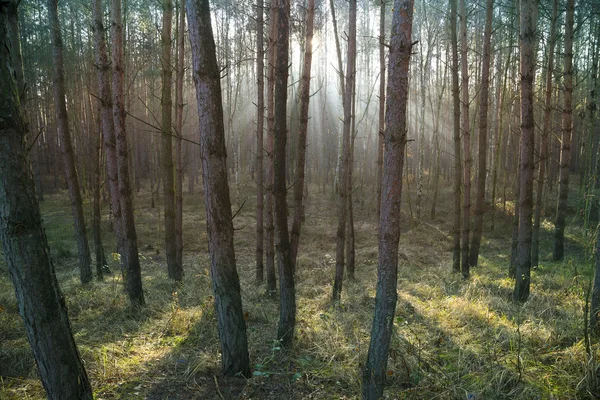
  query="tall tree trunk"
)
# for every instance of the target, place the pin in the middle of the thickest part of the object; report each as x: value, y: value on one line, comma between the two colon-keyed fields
x: 527, y: 46
x: 345, y: 159
x: 389, y: 231
x: 219, y: 224
x: 260, y: 121
x: 83, y: 249
x: 567, y: 129
x: 178, y: 141
x: 466, y: 137
x: 545, y: 133
x: 483, y: 138
x: 456, y: 138
x: 287, y: 291
x: 129, y: 251
x: 98, y: 248
x: 381, y: 115
x: 175, y: 271
x: 269, y: 227
x: 595, y: 298
x: 41, y: 303
x: 301, y: 159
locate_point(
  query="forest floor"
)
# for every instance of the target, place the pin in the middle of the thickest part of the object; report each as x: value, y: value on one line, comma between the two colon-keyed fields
x: 453, y: 339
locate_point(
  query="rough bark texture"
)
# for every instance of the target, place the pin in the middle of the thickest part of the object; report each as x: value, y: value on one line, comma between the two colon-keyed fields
x: 179, y: 128
x: 219, y: 224
x: 567, y: 129
x: 389, y: 230
x: 41, y: 303
x: 302, y: 133
x: 343, y: 185
x: 168, y: 173
x: 535, y: 245
x: 595, y: 298
x: 483, y: 137
x: 526, y: 167
x: 381, y: 114
x: 466, y: 138
x: 129, y: 251
x: 287, y: 291
x: 269, y: 227
x: 83, y: 249
x: 260, y: 122
x: 96, y: 219
x: 456, y: 139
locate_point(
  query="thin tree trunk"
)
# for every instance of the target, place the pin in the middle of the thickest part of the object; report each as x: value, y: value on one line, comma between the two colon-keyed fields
x: 174, y: 270
x: 483, y: 138
x: 178, y: 141
x: 389, y: 232
x: 41, y: 303
x: 456, y: 137
x: 381, y: 115
x: 97, y: 229
x: 466, y: 138
x: 528, y: 18
x: 83, y: 249
x: 260, y: 121
x: 219, y: 224
x: 345, y: 159
x: 301, y: 160
x: 535, y: 245
x: 567, y: 129
x: 287, y: 291
x: 595, y: 297
x: 129, y: 251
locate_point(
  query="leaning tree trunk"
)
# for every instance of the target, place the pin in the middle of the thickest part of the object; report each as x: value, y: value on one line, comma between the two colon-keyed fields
x: 389, y: 231
x: 174, y: 270
x: 287, y: 291
x: 345, y: 159
x: 83, y: 249
x: 535, y: 245
x: 41, y: 303
x: 301, y: 160
x: 219, y: 224
x: 129, y: 251
x: 260, y: 122
x: 456, y: 137
x: 567, y: 129
x: 483, y: 139
x: 527, y: 71
x: 464, y: 62
x: 178, y: 141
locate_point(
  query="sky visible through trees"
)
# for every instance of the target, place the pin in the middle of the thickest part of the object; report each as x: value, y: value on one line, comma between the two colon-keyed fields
x: 300, y: 198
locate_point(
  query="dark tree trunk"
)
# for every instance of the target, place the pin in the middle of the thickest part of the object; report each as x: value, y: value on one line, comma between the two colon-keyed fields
x: 381, y: 114
x: 567, y: 129
x: 83, y: 249
x: 260, y: 121
x: 456, y: 137
x: 174, y: 270
x: 41, y: 303
x: 343, y: 185
x: 545, y: 133
x: 219, y: 224
x: 528, y: 17
x: 287, y: 292
x: 389, y: 231
x: 129, y: 250
x: 96, y: 223
x: 301, y: 160
x: 178, y: 141
x: 483, y: 138
x: 595, y: 306
x: 466, y: 138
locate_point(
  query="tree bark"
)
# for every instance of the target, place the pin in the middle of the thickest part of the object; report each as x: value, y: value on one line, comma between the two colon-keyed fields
x: 483, y: 137
x: 466, y: 138
x: 389, y: 232
x: 41, y: 303
x: 260, y: 121
x: 527, y: 46
x: 178, y: 140
x: 219, y: 224
x: 168, y: 174
x: 381, y: 114
x: 567, y: 129
x: 545, y: 133
x: 595, y: 298
x: 456, y: 138
x: 62, y: 121
x: 129, y: 251
x: 301, y: 160
x: 343, y: 185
